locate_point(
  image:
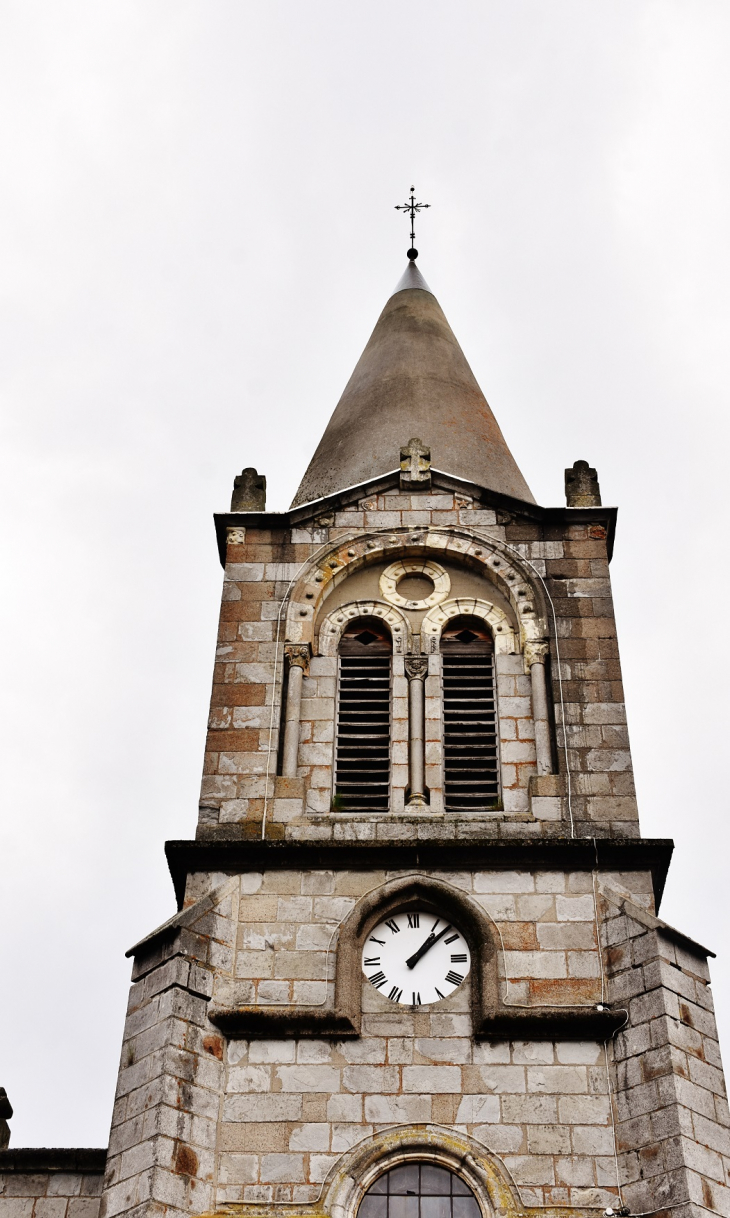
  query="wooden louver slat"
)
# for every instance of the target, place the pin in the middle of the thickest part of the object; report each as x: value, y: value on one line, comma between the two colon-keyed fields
x: 362, y: 757
x: 471, y: 761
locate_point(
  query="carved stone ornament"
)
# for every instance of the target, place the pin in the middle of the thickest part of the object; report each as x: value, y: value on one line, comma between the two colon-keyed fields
x: 535, y: 652
x: 298, y: 655
x: 334, y: 624
x: 505, y: 639
x: 249, y: 491
x: 581, y: 486
x: 397, y: 571
x: 415, y: 466
x: 416, y: 667
x: 236, y: 537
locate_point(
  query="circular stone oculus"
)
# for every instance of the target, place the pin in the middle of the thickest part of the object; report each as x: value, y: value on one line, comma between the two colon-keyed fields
x: 428, y: 574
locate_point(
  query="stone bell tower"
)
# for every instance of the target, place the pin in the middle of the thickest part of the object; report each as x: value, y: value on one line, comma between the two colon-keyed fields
x: 417, y: 969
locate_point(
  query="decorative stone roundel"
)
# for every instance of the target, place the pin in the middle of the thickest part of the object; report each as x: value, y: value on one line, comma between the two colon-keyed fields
x: 397, y: 571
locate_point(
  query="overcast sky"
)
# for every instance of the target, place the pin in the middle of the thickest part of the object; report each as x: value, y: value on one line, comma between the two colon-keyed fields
x: 197, y: 237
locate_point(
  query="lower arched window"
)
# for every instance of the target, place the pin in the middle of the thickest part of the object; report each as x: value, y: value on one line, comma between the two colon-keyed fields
x: 362, y: 753
x: 471, y: 763
x: 419, y: 1190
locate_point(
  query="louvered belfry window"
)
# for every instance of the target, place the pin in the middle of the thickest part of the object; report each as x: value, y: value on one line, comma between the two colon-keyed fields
x: 471, y: 761
x: 362, y: 758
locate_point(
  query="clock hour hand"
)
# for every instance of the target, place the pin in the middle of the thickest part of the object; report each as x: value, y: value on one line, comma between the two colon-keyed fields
x: 426, y: 946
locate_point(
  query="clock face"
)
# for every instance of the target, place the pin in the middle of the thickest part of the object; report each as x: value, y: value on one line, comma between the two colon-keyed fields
x: 416, y: 958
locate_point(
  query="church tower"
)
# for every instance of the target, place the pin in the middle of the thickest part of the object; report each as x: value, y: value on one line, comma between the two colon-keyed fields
x: 417, y: 969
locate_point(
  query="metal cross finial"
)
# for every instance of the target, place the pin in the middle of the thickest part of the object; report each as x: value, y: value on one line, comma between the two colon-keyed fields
x: 412, y: 208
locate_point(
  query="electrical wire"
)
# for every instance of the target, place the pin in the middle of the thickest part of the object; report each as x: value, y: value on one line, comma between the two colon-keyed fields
x: 340, y: 541
x: 568, y: 783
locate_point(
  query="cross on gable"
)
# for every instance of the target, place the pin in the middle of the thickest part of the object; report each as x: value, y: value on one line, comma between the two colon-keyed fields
x: 415, y: 465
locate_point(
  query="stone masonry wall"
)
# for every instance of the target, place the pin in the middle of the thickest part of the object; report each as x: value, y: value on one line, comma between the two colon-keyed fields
x: 673, y: 1123
x: 163, y: 1135
x: 293, y: 1107
x: 287, y: 923
x: 261, y: 562
x: 44, y: 1191
x: 201, y: 1120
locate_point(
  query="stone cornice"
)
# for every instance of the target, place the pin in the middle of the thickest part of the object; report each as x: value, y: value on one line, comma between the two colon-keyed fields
x: 575, y: 854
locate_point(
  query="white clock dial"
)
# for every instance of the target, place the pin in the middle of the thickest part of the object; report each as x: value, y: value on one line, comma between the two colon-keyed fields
x: 416, y: 958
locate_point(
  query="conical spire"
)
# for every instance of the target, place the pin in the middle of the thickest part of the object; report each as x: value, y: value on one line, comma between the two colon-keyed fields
x: 412, y: 379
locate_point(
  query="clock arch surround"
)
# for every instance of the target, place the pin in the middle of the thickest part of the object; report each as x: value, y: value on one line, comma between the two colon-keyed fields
x: 409, y: 893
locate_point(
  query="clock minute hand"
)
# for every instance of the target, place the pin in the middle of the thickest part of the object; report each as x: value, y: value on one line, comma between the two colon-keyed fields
x: 425, y: 946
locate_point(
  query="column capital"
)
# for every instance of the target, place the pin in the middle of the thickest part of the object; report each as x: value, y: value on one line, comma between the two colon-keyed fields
x: 416, y: 668
x: 297, y: 655
x: 536, y: 651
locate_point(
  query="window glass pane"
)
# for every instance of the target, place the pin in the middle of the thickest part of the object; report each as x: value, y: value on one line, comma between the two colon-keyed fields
x: 435, y: 1207
x: 380, y: 1185
x: 466, y: 1207
x: 403, y: 1207
x: 419, y: 1190
x: 374, y: 1206
x: 435, y: 1181
x: 404, y: 1179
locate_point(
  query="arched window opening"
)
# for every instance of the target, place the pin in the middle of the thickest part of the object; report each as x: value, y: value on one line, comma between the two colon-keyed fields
x: 362, y: 757
x: 471, y: 762
x: 419, y: 1190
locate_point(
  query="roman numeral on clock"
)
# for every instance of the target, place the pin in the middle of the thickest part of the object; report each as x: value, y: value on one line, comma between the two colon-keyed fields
x: 393, y: 926
x: 413, y: 921
x: 378, y: 979
x: 375, y: 960
x: 454, y: 978
x: 451, y: 938
x: 416, y: 1000
x: 395, y: 994
x: 458, y: 959
x: 380, y: 941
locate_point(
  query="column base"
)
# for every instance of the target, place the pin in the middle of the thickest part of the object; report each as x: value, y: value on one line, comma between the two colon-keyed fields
x: 417, y: 801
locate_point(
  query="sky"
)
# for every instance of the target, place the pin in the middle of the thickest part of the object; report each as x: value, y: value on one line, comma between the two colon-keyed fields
x: 197, y: 234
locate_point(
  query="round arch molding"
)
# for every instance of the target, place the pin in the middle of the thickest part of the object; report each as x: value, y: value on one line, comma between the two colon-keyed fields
x: 505, y: 639
x: 332, y: 626
x: 479, y: 1168
x: 500, y: 566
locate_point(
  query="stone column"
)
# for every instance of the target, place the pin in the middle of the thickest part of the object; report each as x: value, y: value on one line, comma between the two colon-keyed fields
x: 297, y: 659
x: 416, y: 671
x: 535, y: 660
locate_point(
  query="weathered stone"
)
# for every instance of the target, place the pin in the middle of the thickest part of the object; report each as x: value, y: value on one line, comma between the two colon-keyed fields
x: 249, y: 491
x: 581, y: 486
